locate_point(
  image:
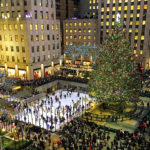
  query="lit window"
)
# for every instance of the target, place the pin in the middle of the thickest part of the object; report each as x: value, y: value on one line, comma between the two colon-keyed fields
x: 75, y: 30
x: 70, y: 24
x: 89, y: 37
x: 75, y: 24
x: 125, y: 7
x: 84, y: 30
x: 66, y: 37
x: 141, y: 52
x: 5, y: 37
x: 144, y: 22
x: 89, y: 30
x: 138, y: 7
x: 107, y: 23
x: 107, y: 16
x: 16, y: 26
x: 132, y: 7
x: 10, y: 27
x: 130, y: 30
x: 142, y: 37
x: 113, y: 16
x: 84, y: 37
x: 70, y: 31
x: 52, y: 27
x: 145, y: 6
x: 114, y: 8
x: 131, y: 15
x: 66, y: 31
x: 42, y: 26
x: 119, y: 8
x: 131, y: 22
x: 80, y: 37
x: 89, y: 23
x: 42, y: 37
x: 84, y: 23
x: 16, y: 38
x: 136, y: 37
x: 5, y: 27
x: 31, y: 27
x: 36, y: 27
x: 21, y: 26
x: 90, y: 7
x: 137, y: 22
x: 102, y: 9
x: 134, y: 51
x: 138, y: 15
x: 66, y: 24
x: 71, y: 37
x: 80, y: 24
x: 22, y: 38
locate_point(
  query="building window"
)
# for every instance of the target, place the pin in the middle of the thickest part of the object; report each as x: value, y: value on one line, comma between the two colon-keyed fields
x: 17, y: 48
x: 13, y: 58
x: 23, y: 49
x: 24, y: 59
x: 22, y: 38
x: 32, y: 49
x: 16, y: 38
x: 43, y: 48
x: 35, y: 14
x: 11, y: 48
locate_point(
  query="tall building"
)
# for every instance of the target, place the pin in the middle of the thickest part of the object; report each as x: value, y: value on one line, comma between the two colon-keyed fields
x: 88, y: 8
x: 80, y: 32
x: 66, y: 9
x: 29, y: 38
x: 135, y: 15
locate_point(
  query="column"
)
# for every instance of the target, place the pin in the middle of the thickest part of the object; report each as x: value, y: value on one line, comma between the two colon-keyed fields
x: 42, y: 70
x: 16, y: 70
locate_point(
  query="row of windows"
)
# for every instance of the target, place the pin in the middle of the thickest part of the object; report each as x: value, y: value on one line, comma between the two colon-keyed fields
x: 42, y: 3
x: 130, y: 23
x: 16, y: 38
x: 12, y: 49
x: 7, y: 3
x: 80, y: 37
x: 42, y: 37
x: 84, y: 43
x: 32, y: 27
x: 33, y: 49
x: 38, y: 48
x: 43, y: 58
x: 120, y: 1
x: 125, y: 8
x: 93, y: 1
x: 13, y: 59
x: 80, y: 30
x: 21, y: 38
x: 42, y: 27
x: 125, y: 16
x: 79, y: 24
x: 19, y: 14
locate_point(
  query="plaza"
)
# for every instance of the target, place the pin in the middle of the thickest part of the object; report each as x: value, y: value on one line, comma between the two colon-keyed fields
x: 74, y: 75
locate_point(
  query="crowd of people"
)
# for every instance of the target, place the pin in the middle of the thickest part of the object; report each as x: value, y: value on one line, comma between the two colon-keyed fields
x: 86, y: 135
x: 50, y: 78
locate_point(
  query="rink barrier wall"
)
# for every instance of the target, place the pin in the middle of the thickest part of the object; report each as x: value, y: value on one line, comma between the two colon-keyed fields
x: 58, y: 84
x: 35, y: 97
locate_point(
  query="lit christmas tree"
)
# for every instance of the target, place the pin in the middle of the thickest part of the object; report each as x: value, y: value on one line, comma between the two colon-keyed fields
x: 115, y: 77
